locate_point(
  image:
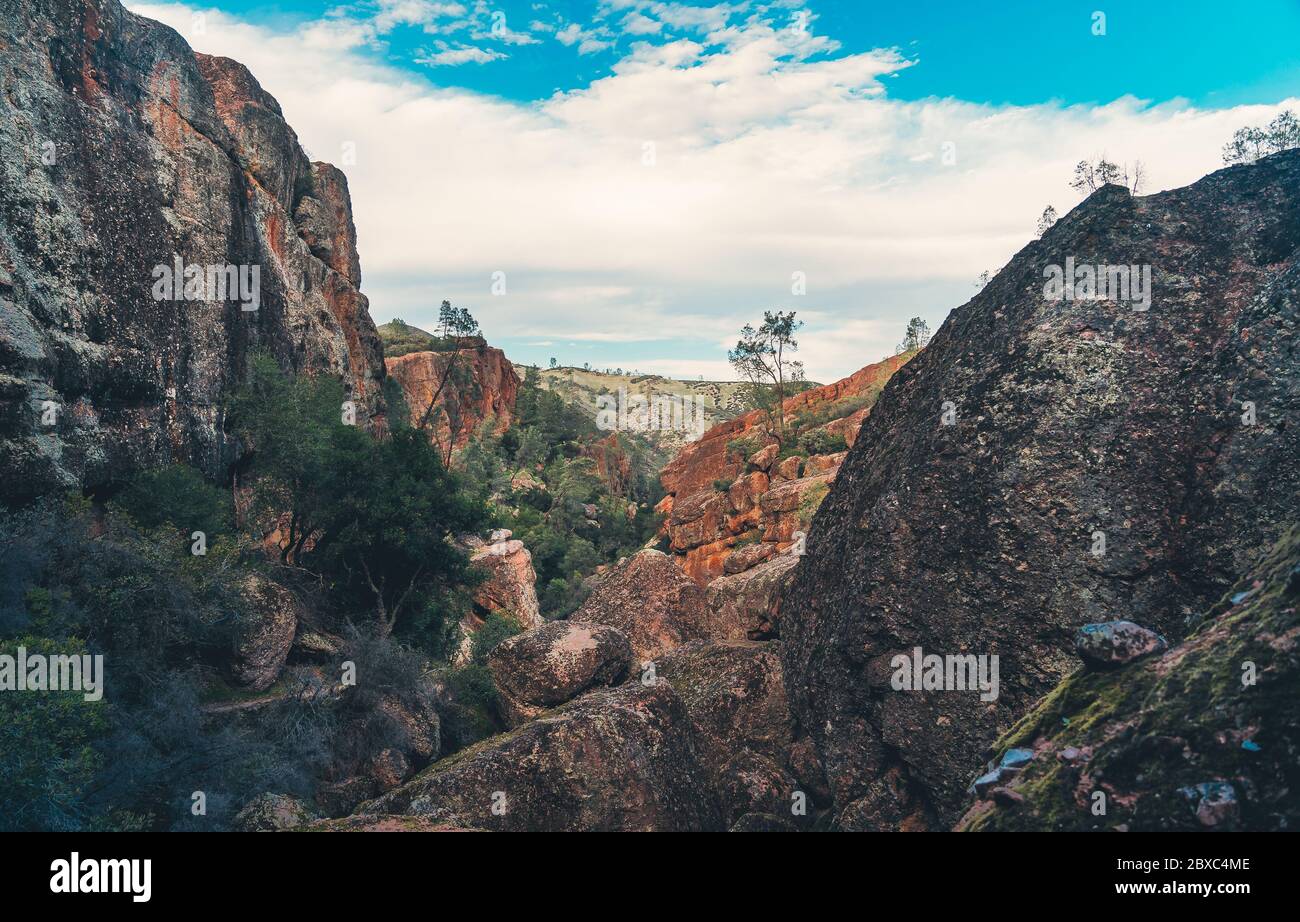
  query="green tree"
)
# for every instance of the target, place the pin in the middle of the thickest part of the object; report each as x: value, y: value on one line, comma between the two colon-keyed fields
x: 1249, y: 144
x: 760, y: 359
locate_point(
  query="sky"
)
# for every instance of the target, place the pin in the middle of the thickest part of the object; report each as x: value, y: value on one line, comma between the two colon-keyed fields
x: 626, y: 183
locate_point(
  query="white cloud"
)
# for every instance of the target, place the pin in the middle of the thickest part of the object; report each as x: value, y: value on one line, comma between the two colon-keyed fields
x: 449, y: 55
x: 672, y: 200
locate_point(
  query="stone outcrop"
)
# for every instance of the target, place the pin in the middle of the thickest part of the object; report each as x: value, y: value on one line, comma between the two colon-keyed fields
x: 1204, y: 735
x: 614, y: 759
x: 747, y: 605
x: 128, y: 152
x: 552, y: 664
x: 510, y: 588
x: 272, y: 813
x: 717, y: 487
x: 482, y: 385
x: 651, y: 601
x: 1048, y: 463
x: 264, y: 644
x: 736, y: 705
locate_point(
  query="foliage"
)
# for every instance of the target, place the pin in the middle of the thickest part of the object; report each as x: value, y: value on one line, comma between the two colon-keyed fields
x: 1249, y: 144
x: 759, y: 357
x: 1089, y: 175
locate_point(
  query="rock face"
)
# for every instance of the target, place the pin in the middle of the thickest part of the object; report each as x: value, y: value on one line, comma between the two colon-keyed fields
x: 651, y: 601
x: 1101, y: 463
x: 510, y: 588
x: 614, y: 759
x: 483, y: 385
x: 747, y: 605
x: 736, y: 704
x: 552, y: 664
x: 718, y: 487
x: 128, y: 152
x: 265, y: 643
x: 1205, y: 735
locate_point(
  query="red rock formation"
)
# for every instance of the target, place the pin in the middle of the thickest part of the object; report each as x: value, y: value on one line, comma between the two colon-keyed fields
x: 706, y: 524
x: 483, y: 386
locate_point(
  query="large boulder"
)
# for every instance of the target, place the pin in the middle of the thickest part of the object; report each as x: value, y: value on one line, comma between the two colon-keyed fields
x: 1204, y: 735
x: 747, y: 605
x: 508, y: 589
x: 272, y: 813
x: 552, y: 664
x: 736, y: 703
x: 1048, y: 463
x: 614, y: 759
x: 263, y: 644
x: 652, y: 601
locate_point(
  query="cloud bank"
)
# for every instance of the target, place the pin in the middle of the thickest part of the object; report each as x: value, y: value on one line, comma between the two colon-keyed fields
x: 646, y: 217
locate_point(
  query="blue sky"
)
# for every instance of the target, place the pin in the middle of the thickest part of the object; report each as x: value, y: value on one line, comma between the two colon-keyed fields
x: 1015, y: 51
x: 649, y: 175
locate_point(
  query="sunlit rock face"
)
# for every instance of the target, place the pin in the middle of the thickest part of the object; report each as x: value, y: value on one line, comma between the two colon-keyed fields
x: 130, y: 160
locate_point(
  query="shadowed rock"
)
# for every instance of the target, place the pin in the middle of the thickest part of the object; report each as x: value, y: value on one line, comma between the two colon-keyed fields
x: 1203, y: 735
x: 1097, y: 467
x: 614, y: 759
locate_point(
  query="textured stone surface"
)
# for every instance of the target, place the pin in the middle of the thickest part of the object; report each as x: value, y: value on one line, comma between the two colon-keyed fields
x: 1114, y: 643
x: 482, y: 386
x: 510, y: 589
x: 554, y: 663
x: 157, y: 153
x: 1072, y: 417
x: 614, y: 759
x: 1204, y: 735
x: 747, y: 605
x: 736, y: 703
x: 650, y: 600
x: 272, y: 813
x: 264, y: 644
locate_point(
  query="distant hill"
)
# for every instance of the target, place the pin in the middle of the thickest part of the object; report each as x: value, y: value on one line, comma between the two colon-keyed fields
x: 721, y: 400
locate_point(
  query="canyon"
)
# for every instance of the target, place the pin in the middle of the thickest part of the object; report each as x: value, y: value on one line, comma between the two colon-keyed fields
x: 1102, y: 498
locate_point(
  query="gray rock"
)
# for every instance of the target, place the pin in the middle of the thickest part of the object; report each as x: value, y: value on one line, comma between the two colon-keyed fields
x: 1114, y: 643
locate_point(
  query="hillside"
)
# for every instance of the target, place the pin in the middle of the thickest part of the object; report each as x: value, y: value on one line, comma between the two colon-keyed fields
x: 717, y: 401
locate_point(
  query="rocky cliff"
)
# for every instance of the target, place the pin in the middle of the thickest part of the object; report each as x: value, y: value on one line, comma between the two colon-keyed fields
x: 134, y: 163
x: 734, y: 499
x: 1048, y: 462
x: 482, y: 385
x: 1204, y: 736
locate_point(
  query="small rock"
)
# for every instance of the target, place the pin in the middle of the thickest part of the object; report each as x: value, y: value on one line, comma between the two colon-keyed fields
x: 1070, y: 754
x: 271, y: 813
x: 985, y: 783
x: 1215, y: 803
x: 1007, y: 797
x: 1115, y: 643
x: 499, y: 535
x: 1016, y: 758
